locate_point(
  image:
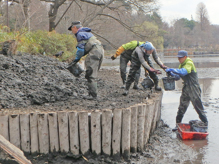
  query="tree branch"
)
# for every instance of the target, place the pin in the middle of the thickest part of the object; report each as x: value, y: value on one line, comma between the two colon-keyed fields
x: 105, y: 40
x: 125, y: 25
x: 63, y: 14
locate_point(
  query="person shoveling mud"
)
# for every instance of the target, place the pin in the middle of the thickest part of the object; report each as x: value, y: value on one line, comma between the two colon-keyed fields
x: 90, y: 46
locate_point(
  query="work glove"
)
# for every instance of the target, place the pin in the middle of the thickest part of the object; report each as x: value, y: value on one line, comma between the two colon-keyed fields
x: 155, y: 71
x: 72, y: 63
x: 169, y: 70
x: 164, y: 67
x: 113, y: 57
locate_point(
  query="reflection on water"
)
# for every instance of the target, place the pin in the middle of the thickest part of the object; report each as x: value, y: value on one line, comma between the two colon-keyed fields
x: 208, y: 150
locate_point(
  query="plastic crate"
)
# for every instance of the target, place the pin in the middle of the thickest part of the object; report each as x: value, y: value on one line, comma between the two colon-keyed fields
x: 186, y: 133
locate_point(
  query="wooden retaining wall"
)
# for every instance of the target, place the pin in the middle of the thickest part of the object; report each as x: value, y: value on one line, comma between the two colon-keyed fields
x: 110, y: 132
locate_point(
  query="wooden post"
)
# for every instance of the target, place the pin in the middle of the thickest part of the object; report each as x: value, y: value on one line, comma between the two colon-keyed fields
x: 14, y: 130
x: 34, y: 134
x: 43, y: 133
x: 25, y: 132
x: 159, y: 107
x: 146, y: 117
x: 148, y: 121
x: 95, y: 133
x: 134, y: 121
x: 106, y: 131
x: 53, y: 132
x: 63, y: 131
x: 151, y: 109
x: 154, y: 117
x: 73, y: 132
x: 84, y: 132
x: 158, y: 111
x: 140, y: 132
x: 116, y: 138
x: 4, y: 126
x: 126, y: 127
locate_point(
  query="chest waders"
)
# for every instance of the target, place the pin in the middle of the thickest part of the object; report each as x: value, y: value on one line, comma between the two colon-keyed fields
x: 191, y: 92
x: 125, y: 57
x: 93, y: 62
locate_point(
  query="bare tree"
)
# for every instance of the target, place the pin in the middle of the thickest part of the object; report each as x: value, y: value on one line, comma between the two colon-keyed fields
x: 115, y: 6
x: 202, y: 16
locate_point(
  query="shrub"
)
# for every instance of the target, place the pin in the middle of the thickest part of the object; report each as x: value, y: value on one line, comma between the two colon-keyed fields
x: 41, y: 42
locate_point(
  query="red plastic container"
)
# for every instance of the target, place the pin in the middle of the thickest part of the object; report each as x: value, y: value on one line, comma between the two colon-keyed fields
x: 186, y: 134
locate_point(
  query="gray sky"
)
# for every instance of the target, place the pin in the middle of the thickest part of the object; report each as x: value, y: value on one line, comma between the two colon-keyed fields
x: 175, y: 9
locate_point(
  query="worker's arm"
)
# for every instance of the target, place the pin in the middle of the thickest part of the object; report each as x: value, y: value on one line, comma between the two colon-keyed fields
x: 157, y: 59
x: 140, y: 53
x: 128, y: 46
x: 180, y: 72
x: 79, y: 54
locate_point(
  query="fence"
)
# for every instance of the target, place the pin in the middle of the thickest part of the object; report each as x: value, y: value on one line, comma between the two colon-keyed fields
x: 110, y: 132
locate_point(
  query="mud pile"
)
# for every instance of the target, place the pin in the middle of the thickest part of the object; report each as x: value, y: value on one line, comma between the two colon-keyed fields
x: 43, y: 83
x: 28, y: 79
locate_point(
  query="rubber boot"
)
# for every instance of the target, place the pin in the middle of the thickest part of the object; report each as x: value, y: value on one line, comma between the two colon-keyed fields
x: 123, y: 81
x: 123, y: 86
x: 125, y: 93
x: 157, y: 88
x: 136, y: 85
x: 175, y: 129
x: 92, y: 90
x: 137, y: 76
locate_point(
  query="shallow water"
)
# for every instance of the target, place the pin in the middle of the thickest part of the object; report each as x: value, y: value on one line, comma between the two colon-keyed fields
x: 208, y: 150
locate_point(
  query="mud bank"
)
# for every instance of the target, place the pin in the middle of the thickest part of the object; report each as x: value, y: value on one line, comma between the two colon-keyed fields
x: 40, y: 83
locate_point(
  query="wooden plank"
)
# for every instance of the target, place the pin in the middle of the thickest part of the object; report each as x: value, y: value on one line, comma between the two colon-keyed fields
x: 126, y: 129
x: 117, y: 130
x: 150, y: 119
x: 73, y: 132
x: 140, y: 128
x: 34, y: 134
x: 95, y: 133
x: 14, y: 130
x: 4, y: 126
x: 53, y: 132
x: 25, y: 132
x: 106, y: 131
x: 154, y: 122
x: 13, y: 151
x: 84, y: 132
x: 43, y: 133
x: 134, y: 121
x: 63, y: 131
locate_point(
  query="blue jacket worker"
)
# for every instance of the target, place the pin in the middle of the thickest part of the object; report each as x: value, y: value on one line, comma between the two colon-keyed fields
x: 191, y: 90
x: 90, y: 46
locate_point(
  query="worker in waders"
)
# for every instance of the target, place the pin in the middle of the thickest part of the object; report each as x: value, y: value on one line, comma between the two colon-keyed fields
x: 126, y: 52
x: 90, y: 46
x: 141, y: 56
x: 191, y: 90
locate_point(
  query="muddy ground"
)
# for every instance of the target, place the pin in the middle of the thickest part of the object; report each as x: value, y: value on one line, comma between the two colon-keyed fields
x: 39, y: 83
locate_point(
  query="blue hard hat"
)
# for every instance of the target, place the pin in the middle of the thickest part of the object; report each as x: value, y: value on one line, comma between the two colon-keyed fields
x: 148, y: 46
x: 182, y: 53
